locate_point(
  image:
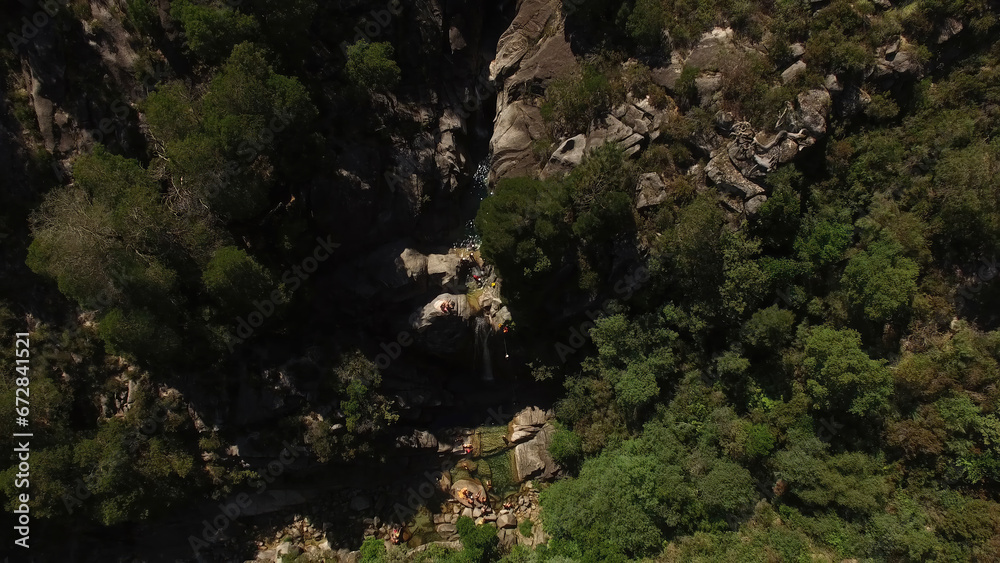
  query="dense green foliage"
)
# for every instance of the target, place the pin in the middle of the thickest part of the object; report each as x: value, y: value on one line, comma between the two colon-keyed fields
x: 370, y: 66
x: 163, y: 248
x: 817, y: 382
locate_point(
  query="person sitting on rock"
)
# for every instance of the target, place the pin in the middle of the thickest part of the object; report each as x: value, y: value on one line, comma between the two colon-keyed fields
x: 464, y: 493
x: 394, y: 535
x: 467, y: 448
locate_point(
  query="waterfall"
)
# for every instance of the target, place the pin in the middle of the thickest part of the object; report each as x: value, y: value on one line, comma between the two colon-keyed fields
x: 483, y: 329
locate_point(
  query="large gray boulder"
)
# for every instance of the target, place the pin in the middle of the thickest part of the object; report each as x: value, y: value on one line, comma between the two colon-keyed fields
x: 651, y: 190
x: 532, y: 459
x: 531, y: 430
x: 531, y: 53
x: 566, y: 157
x: 522, y: 35
x: 631, y: 125
x: 518, y: 126
x: 711, y: 49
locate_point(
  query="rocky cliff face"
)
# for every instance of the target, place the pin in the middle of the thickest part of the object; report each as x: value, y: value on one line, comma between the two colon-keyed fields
x: 535, y: 50
x: 530, y: 54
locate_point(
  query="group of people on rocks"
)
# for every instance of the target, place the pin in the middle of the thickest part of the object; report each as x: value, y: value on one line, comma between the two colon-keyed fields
x: 478, y: 500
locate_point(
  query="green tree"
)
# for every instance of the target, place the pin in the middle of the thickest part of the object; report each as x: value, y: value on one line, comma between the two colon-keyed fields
x: 524, y: 230
x: 839, y: 373
x: 632, y: 357
x: 573, y: 102
x: 769, y: 329
x: 373, y: 550
x: 615, y: 508
x: 745, y: 281
x: 727, y: 489
x: 881, y: 281
x: 131, y: 478
x: 601, y: 189
x: 823, y: 242
x: 852, y: 483
x: 479, y: 543
x: 566, y: 448
x: 370, y: 66
x: 367, y: 412
x: 212, y: 30
x: 139, y: 335
x: 223, y: 148
x: 106, y: 239
x: 143, y: 16
x: 235, y: 280
x: 646, y: 23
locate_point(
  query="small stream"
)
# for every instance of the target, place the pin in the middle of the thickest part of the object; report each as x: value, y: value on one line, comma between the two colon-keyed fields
x: 478, y: 191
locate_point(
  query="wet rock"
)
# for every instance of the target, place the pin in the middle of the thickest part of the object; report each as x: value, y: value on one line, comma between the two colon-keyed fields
x: 553, y: 57
x: 667, y: 77
x: 452, y: 545
x: 507, y: 537
x: 752, y: 206
x: 643, y: 117
x: 612, y: 130
x: 414, y: 265
x: 433, y: 311
x: 418, y: 439
x: 392, y: 272
x: 813, y: 108
x: 526, y: 55
x: 475, y: 489
x: 287, y: 549
x: 455, y: 39
x: 273, y: 500
x: 832, y: 84
x: 723, y: 174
